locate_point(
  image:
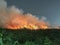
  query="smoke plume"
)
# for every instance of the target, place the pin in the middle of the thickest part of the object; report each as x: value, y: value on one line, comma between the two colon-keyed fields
x: 14, y: 18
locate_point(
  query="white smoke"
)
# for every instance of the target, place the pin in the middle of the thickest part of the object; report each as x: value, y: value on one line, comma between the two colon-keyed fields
x: 9, y: 14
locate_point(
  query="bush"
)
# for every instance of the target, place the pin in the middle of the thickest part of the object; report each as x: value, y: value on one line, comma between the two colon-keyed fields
x: 28, y: 37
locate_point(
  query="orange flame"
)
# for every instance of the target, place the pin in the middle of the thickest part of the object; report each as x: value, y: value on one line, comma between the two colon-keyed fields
x: 25, y: 21
x: 13, y: 18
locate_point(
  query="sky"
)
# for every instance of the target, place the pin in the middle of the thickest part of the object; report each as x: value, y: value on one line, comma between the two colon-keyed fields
x: 47, y: 8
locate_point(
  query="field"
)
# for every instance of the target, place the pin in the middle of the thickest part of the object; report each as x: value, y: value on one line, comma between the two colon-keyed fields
x: 29, y: 37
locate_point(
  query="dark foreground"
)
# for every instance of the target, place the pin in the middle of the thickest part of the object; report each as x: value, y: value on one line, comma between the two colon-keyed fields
x: 29, y: 37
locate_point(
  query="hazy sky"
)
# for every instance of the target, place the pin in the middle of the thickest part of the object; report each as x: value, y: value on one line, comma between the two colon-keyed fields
x: 48, y: 8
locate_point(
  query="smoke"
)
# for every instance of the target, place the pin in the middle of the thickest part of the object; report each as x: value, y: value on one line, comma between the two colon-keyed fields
x: 14, y: 17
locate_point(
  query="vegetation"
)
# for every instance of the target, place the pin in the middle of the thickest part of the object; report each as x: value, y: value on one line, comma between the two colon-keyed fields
x: 29, y: 37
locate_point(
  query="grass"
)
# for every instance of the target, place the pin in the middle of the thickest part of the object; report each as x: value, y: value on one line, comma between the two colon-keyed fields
x: 28, y: 37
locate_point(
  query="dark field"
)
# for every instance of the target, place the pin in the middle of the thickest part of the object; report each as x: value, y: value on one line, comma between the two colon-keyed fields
x: 29, y: 37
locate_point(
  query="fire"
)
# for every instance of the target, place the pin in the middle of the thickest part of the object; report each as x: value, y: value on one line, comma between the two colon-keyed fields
x: 14, y: 18
x: 25, y: 21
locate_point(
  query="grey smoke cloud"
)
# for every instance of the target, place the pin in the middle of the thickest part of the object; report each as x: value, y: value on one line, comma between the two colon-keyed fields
x: 3, y: 4
x: 9, y: 14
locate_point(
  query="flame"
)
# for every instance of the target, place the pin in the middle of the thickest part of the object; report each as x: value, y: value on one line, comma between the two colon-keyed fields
x: 25, y: 21
x: 14, y: 18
